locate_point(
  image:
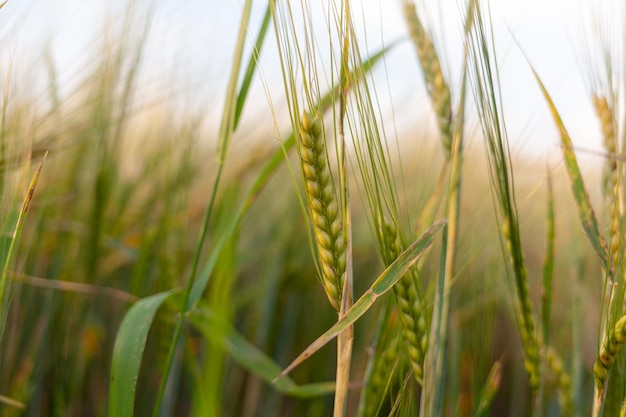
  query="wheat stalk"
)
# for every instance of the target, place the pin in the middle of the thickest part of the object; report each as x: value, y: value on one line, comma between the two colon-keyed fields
x: 324, y: 210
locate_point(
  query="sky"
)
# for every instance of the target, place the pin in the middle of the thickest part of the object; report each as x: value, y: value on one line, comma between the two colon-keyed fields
x: 190, y: 45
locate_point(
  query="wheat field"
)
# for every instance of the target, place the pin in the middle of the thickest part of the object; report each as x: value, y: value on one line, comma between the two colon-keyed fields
x: 308, y: 244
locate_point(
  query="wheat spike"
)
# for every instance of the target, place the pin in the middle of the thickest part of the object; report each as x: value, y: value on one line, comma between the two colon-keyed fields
x: 532, y: 360
x: 378, y: 380
x: 438, y: 88
x: 409, y: 305
x: 612, y: 181
x: 563, y: 381
x: 324, y: 209
x: 609, y: 349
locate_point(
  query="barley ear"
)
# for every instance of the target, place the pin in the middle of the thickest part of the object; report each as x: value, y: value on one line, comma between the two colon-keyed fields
x: 324, y: 208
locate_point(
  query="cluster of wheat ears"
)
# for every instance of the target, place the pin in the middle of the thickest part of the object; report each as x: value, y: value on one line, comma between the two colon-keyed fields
x: 424, y: 323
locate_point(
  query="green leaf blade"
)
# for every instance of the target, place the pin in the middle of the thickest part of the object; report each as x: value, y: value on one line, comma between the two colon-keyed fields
x: 581, y: 196
x: 128, y: 353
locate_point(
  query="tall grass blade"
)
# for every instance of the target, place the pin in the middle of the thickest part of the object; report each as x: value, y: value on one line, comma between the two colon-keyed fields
x: 581, y: 196
x: 128, y: 353
x: 488, y: 392
x: 14, y: 240
x: 383, y: 283
x: 251, y: 67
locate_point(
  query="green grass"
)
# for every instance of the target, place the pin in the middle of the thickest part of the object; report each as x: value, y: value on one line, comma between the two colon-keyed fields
x: 158, y: 273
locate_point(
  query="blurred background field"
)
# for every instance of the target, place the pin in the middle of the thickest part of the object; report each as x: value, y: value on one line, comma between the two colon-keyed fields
x: 129, y: 115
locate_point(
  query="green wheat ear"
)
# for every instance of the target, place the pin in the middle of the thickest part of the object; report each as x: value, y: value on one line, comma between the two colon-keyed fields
x: 380, y: 378
x: 611, y: 178
x: 610, y: 348
x: 438, y: 88
x: 410, y: 308
x: 324, y: 208
x: 563, y: 381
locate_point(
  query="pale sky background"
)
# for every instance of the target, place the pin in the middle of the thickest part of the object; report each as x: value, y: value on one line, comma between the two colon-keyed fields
x: 189, y: 52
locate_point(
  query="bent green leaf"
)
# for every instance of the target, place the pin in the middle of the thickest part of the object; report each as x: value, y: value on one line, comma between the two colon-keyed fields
x: 581, y: 196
